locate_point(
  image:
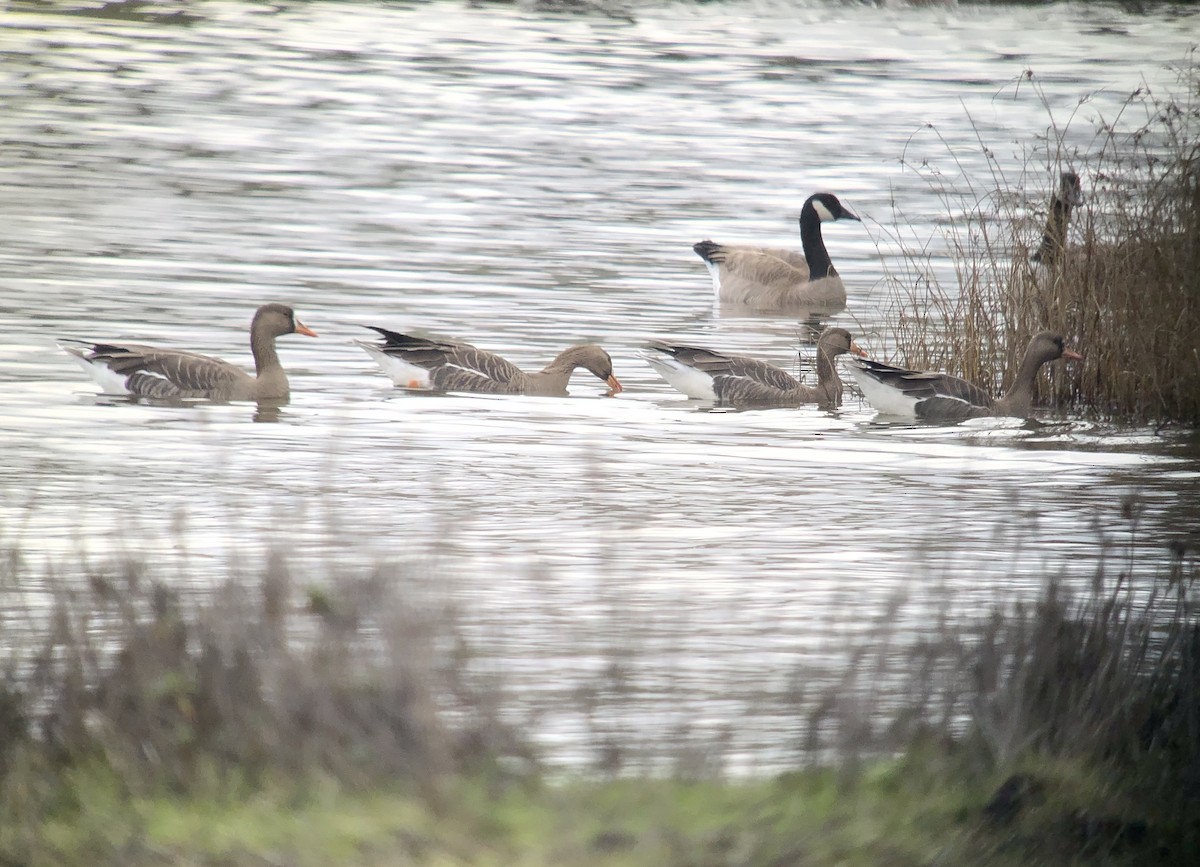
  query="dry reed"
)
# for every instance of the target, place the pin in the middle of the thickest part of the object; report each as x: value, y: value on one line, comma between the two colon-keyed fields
x: 1125, y: 292
x: 368, y: 677
x: 360, y: 677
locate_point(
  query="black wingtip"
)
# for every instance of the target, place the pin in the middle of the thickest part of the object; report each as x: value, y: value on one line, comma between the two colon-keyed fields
x: 707, y: 250
x: 390, y: 337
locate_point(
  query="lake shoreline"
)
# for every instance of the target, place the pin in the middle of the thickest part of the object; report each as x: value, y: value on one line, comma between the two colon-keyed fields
x: 923, y: 808
x: 352, y: 721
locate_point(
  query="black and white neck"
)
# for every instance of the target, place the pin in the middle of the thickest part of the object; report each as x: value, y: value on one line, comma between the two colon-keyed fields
x: 820, y: 208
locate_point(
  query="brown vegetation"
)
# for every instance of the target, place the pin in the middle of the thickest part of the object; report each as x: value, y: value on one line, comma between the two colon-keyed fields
x: 253, y: 679
x: 1125, y: 291
x: 367, y: 679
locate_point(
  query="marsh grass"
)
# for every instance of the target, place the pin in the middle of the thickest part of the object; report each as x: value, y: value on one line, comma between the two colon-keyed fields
x: 1126, y: 291
x: 1082, y: 703
x: 1068, y: 720
x: 356, y: 676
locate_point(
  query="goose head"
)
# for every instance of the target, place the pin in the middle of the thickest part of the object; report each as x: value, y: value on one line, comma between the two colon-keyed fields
x: 828, y: 208
x: 275, y: 320
x: 595, y: 360
x: 1047, y: 346
x: 837, y: 341
x: 1070, y: 189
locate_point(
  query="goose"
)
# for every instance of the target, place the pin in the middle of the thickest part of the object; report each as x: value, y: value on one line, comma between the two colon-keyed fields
x: 942, y: 397
x: 1054, y: 236
x: 737, y: 380
x: 771, y: 278
x: 444, y: 365
x: 169, y: 374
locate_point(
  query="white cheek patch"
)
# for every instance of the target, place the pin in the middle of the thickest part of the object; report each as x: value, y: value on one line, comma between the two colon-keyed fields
x: 823, y: 213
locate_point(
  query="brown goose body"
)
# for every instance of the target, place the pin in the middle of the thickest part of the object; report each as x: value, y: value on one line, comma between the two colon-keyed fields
x: 772, y: 278
x: 172, y: 374
x: 942, y: 397
x: 1054, y: 236
x: 444, y: 365
x: 737, y: 380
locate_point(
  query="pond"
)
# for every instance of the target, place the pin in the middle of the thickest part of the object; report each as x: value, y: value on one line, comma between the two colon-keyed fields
x: 527, y: 179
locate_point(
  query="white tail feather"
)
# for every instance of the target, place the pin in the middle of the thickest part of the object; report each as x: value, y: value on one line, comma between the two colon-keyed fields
x: 109, y: 382
x: 884, y: 398
x: 401, y: 373
x: 692, y: 382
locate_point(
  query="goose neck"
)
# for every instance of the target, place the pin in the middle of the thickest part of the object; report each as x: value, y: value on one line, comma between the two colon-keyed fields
x: 827, y: 373
x: 1019, y: 397
x: 813, y: 243
x: 262, y: 347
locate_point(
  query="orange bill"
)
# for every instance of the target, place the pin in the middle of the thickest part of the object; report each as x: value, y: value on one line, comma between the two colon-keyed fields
x: 614, y: 387
x: 301, y: 328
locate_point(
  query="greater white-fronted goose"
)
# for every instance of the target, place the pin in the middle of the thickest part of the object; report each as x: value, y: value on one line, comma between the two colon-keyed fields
x: 942, y: 397
x: 735, y: 380
x: 168, y: 374
x: 443, y: 365
x: 1054, y: 236
x: 770, y: 278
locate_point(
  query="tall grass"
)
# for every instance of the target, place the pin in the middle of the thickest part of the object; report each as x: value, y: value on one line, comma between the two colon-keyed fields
x: 1125, y: 292
x: 1104, y: 678
x: 368, y: 678
x: 358, y: 676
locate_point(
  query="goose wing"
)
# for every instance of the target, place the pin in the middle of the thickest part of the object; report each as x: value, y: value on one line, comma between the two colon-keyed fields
x: 162, y: 373
x: 760, y: 267
x: 954, y: 389
x: 746, y: 259
x: 730, y: 367
x: 930, y: 395
x: 451, y: 377
x: 454, y: 366
x: 941, y: 408
x: 792, y: 258
x: 740, y: 391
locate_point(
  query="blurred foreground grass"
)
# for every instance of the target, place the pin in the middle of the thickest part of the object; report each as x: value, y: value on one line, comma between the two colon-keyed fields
x: 265, y: 721
x: 924, y: 808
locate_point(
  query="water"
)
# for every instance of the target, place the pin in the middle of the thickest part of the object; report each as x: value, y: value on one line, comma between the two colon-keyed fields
x: 525, y: 181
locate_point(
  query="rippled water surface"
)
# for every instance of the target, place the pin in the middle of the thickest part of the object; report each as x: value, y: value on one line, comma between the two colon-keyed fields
x: 525, y: 180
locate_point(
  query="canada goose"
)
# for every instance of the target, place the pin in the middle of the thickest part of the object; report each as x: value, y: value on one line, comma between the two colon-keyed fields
x: 736, y: 380
x: 942, y: 397
x: 770, y: 278
x: 147, y: 371
x: 1054, y: 236
x: 443, y: 365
